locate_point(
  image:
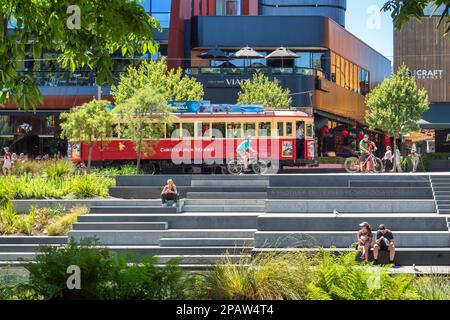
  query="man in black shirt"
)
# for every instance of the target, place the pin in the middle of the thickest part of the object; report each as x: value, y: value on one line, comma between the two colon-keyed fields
x: 385, y: 242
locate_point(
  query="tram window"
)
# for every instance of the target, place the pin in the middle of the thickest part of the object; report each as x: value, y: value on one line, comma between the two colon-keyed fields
x: 264, y: 129
x: 218, y: 130
x: 280, y: 129
x: 173, y: 131
x: 205, y: 130
x: 309, y: 130
x: 289, y: 129
x: 115, y: 132
x: 234, y: 130
x: 188, y: 130
x: 249, y: 129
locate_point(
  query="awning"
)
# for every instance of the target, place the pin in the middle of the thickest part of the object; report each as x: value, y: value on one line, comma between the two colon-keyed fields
x: 437, y: 117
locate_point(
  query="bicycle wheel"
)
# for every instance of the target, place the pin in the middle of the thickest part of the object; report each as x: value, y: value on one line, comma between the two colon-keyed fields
x: 378, y: 165
x: 235, y: 167
x: 260, y: 167
x: 351, y: 165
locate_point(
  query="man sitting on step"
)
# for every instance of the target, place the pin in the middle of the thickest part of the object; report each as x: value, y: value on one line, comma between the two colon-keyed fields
x: 169, y: 193
x: 384, y: 242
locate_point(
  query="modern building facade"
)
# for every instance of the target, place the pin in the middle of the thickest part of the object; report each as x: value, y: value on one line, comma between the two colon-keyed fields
x: 333, y: 72
x: 425, y: 50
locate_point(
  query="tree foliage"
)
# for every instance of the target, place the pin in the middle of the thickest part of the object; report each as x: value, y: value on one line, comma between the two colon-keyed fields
x: 396, y: 105
x: 142, y: 117
x: 260, y: 90
x: 90, y: 123
x: 105, y: 27
x: 171, y: 83
x: 404, y: 10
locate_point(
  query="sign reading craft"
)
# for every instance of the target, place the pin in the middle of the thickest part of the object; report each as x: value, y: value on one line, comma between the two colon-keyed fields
x: 427, y: 74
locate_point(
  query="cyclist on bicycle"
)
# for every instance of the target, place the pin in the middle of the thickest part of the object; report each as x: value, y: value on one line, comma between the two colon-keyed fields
x: 243, y: 151
x: 366, y: 147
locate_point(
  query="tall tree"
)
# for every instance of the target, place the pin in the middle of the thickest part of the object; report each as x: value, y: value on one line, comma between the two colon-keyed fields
x: 142, y: 118
x: 91, y: 123
x: 173, y: 84
x: 396, y: 105
x: 260, y: 90
x: 84, y: 32
x: 404, y: 10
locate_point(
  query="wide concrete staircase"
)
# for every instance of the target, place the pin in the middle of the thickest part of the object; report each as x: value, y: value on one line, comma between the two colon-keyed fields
x: 441, y: 192
x: 18, y: 248
x: 219, y: 217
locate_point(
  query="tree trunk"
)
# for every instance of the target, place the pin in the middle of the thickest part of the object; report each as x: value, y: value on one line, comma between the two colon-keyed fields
x: 138, y: 164
x: 91, y: 148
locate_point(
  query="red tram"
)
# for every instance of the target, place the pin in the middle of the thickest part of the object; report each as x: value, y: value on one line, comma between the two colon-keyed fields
x: 198, y: 140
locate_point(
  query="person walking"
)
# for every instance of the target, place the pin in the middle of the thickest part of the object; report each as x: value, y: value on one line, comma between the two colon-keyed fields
x: 7, y: 161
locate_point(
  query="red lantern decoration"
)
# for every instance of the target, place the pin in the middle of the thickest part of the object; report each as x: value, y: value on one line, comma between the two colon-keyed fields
x: 360, y: 136
x: 344, y: 133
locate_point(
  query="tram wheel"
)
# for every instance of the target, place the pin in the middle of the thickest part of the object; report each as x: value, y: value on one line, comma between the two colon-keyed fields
x: 260, y: 167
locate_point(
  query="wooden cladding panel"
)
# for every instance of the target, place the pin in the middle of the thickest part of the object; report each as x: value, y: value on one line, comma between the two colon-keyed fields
x: 422, y: 47
x: 340, y: 101
x: 353, y: 49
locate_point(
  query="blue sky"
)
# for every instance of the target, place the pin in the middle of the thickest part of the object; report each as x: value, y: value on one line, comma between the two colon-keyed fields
x: 375, y: 28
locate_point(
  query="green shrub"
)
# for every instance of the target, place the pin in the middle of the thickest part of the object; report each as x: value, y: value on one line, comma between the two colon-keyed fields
x: 331, y: 160
x: 427, y: 158
x: 103, y: 275
x: 433, y: 287
x: 62, y: 225
x: 8, y: 219
x: 341, y: 277
x: 267, y: 276
x: 58, y: 168
x: 89, y: 186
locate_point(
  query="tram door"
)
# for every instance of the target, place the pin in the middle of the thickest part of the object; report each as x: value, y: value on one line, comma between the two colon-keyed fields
x: 300, y: 139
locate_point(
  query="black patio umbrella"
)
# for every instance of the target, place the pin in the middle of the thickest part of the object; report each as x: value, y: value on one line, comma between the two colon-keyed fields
x: 227, y: 64
x: 282, y: 53
x: 215, y: 54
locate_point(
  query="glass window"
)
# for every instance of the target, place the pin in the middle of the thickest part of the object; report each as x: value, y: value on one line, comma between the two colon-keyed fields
x: 145, y: 4
x: 280, y: 129
x: 264, y: 129
x: 173, y: 131
x: 249, y: 129
x: 234, y: 130
x: 303, y: 60
x: 218, y: 130
x: 289, y: 127
x: 319, y: 61
x: 333, y: 67
x: 309, y: 130
x: 188, y: 130
x: 228, y: 7
x: 160, y: 5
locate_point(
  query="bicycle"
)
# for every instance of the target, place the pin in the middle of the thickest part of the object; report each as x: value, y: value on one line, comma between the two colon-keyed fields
x: 354, y: 164
x: 257, y: 166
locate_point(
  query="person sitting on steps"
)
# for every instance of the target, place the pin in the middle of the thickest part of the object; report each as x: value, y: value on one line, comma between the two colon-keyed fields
x: 169, y: 193
x: 364, y: 240
x: 384, y: 242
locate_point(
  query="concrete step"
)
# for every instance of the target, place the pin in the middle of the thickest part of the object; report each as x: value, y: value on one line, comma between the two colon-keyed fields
x: 133, y: 209
x: 403, y: 256
x: 4, y: 248
x: 223, y: 208
x: 128, y: 202
x: 350, y: 206
x: 228, y: 195
x: 388, y: 183
x: 442, y: 197
x: 438, y: 185
x: 181, y: 251
x: 202, y: 259
x: 225, y: 202
x: 32, y: 240
x: 230, y: 183
x: 207, y: 242
x: 17, y: 256
x: 120, y: 237
x: 442, y: 193
x: 329, y: 193
x: 350, y: 222
x: 342, y: 239
x: 444, y: 211
x: 210, y: 233
x: 182, y: 220
x: 444, y: 206
x: 120, y: 226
